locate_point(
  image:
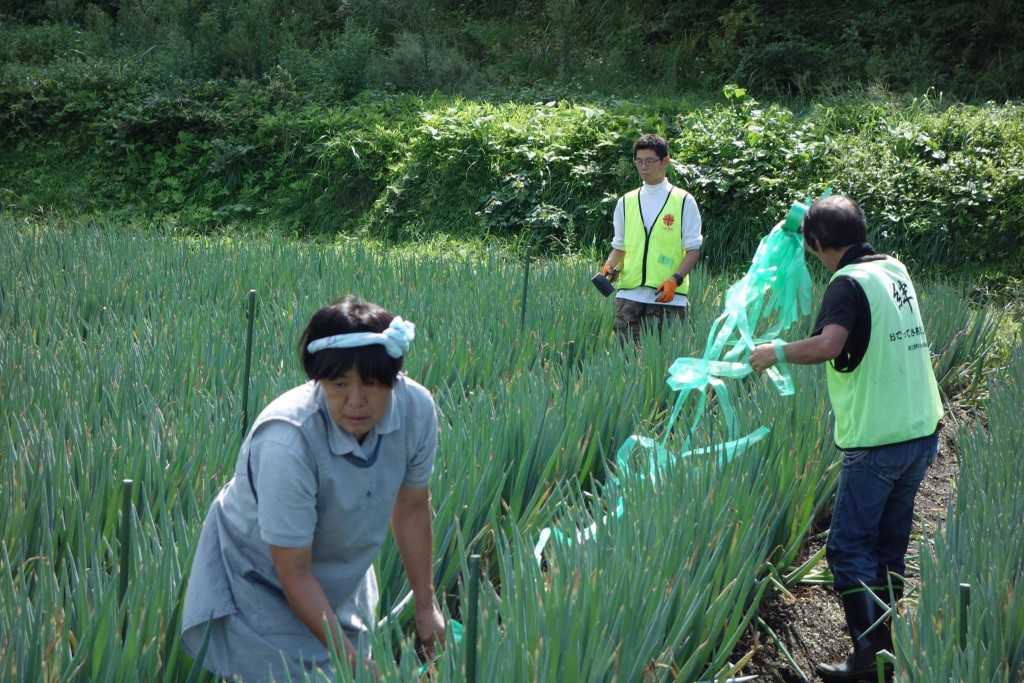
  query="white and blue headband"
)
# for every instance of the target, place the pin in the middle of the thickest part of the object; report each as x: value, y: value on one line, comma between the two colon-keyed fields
x: 396, y: 339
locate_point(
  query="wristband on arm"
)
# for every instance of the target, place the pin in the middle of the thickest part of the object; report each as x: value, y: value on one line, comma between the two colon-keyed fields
x: 779, y: 373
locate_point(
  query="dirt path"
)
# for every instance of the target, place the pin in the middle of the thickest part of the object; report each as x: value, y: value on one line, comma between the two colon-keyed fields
x: 811, y: 625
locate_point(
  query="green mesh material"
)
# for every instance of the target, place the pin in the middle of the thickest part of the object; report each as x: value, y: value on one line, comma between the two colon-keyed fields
x: 774, y: 294
x: 776, y: 290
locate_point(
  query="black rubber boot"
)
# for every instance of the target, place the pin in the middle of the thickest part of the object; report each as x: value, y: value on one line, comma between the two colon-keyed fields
x: 895, y: 582
x: 861, y: 612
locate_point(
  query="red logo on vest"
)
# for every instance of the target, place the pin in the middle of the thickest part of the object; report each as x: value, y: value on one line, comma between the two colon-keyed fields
x: 668, y: 220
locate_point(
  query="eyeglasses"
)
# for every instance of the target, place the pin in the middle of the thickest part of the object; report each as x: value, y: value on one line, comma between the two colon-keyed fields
x: 644, y: 163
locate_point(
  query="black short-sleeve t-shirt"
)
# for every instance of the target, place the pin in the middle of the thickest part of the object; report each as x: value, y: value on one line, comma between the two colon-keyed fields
x: 845, y: 304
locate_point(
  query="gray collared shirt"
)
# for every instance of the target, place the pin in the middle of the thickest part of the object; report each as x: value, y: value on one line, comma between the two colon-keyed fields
x: 300, y: 481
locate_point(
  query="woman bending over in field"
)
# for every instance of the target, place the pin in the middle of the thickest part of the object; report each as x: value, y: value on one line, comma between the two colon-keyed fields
x: 285, y: 558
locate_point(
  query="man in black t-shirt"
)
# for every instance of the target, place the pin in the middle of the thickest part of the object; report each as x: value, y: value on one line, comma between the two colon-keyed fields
x: 887, y: 408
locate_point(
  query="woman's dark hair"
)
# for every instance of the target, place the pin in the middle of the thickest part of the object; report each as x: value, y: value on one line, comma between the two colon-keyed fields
x: 653, y: 142
x: 346, y: 316
x: 833, y: 223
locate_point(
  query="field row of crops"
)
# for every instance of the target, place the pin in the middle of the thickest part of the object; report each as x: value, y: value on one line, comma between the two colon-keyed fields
x: 970, y: 625
x: 123, y: 358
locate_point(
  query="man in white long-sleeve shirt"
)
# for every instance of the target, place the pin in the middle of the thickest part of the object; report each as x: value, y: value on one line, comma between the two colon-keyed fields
x: 656, y: 244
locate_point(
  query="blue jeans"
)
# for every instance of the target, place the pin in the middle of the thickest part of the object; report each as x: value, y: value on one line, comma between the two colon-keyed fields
x: 874, y: 511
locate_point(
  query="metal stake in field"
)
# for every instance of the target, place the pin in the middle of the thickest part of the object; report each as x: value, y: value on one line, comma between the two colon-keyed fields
x: 965, y: 603
x: 248, y: 362
x: 125, y: 541
x: 471, y: 618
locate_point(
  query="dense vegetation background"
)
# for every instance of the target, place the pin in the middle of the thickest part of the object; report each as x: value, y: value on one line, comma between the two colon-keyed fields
x: 401, y: 119
x: 611, y: 47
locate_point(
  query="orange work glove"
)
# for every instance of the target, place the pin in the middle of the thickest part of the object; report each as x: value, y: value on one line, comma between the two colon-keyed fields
x: 609, y: 272
x: 666, y: 291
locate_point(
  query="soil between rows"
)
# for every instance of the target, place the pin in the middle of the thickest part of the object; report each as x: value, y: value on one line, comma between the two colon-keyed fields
x: 811, y: 625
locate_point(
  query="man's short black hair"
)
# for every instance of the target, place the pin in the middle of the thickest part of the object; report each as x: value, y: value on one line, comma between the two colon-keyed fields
x: 653, y: 142
x: 833, y: 223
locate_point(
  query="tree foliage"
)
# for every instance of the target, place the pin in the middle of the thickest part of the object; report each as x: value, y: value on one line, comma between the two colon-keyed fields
x: 967, y: 49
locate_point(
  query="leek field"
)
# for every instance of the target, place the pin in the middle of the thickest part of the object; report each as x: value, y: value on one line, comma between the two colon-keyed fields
x: 123, y: 355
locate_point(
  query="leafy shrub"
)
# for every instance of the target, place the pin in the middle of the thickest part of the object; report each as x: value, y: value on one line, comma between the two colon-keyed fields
x: 37, y: 45
x: 536, y: 173
x: 248, y: 44
x: 938, y: 180
x: 346, y: 61
x: 413, y: 66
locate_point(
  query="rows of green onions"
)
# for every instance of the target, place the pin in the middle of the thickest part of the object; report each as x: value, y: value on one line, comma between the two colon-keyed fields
x: 969, y: 624
x: 123, y: 358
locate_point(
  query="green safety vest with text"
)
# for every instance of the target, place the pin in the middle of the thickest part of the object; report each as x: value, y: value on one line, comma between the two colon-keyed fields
x: 651, y: 258
x: 892, y: 395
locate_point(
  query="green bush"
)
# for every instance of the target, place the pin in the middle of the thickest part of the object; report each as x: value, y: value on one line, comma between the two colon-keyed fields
x: 939, y: 180
x: 37, y: 45
x: 414, y: 66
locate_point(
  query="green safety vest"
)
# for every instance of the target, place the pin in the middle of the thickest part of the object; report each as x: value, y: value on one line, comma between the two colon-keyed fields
x: 892, y: 395
x: 653, y: 258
